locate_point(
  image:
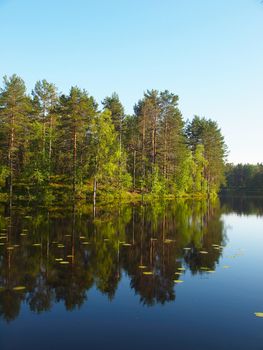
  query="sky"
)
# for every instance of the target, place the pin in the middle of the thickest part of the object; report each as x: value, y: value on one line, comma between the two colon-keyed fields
x: 209, y: 52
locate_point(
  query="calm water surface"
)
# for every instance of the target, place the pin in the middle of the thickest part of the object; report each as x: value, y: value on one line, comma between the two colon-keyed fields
x: 69, y: 280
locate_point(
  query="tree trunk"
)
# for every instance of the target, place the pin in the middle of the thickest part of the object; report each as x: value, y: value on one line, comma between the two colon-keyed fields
x: 94, y: 196
x: 134, y: 169
x: 50, y: 143
x: 10, y: 156
x: 74, y: 159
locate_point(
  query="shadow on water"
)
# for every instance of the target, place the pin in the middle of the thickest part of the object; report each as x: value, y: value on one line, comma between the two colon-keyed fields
x: 57, y: 255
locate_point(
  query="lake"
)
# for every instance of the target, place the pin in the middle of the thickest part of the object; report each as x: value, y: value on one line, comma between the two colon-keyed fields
x: 175, y: 275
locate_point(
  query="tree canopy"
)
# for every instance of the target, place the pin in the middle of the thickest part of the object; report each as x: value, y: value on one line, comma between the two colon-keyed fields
x: 55, y: 144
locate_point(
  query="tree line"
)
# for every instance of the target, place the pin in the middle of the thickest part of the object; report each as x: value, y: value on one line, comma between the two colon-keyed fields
x: 244, y: 178
x: 55, y: 143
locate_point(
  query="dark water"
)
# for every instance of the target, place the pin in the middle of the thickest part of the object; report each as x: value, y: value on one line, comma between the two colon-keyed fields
x: 70, y: 281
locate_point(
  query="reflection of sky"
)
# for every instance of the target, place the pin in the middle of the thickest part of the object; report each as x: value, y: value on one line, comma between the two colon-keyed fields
x: 208, y: 52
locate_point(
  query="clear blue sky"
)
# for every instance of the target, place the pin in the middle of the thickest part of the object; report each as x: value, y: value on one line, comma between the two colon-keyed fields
x: 209, y: 52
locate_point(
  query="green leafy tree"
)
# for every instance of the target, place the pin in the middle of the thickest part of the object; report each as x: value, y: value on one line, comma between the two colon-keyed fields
x: 207, y: 133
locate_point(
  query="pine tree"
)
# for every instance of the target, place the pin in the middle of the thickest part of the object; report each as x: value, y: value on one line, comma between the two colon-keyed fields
x: 77, y: 109
x: 14, y: 108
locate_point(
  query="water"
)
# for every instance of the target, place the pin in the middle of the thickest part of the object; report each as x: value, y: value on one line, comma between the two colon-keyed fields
x: 108, y: 282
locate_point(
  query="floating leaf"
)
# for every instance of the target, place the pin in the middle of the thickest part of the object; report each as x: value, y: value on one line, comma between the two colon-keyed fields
x: 226, y: 267
x: 82, y: 237
x: 203, y: 252
x: 178, y: 273
x: 3, y: 237
x: 2, y: 243
x: 142, y: 267
x: 19, y: 288
x: 23, y: 234
x: 36, y: 244
x: 64, y: 262
x: 147, y: 272
x: 259, y: 314
x: 167, y: 241
x: 186, y: 248
x: 10, y: 248
x: 86, y: 243
x: 126, y: 244
x: 59, y: 259
x: 181, y: 269
x: 210, y: 271
x: 61, y: 246
x: 178, y: 281
x: 204, y: 268
x: 69, y: 256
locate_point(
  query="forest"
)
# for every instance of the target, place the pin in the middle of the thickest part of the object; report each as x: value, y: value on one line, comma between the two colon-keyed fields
x: 58, y: 146
x: 244, y: 178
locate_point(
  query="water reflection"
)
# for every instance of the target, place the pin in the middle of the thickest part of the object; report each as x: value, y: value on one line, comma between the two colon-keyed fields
x: 243, y: 205
x: 53, y: 255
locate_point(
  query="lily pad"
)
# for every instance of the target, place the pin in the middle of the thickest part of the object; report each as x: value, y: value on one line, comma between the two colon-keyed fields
x: 181, y: 269
x: 19, y: 288
x: 142, y: 267
x: 148, y: 273
x: 203, y: 252
x: 64, y: 262
x: 178, y: 281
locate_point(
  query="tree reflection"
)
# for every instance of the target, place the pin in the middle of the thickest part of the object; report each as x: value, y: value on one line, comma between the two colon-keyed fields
x: 58, y: 255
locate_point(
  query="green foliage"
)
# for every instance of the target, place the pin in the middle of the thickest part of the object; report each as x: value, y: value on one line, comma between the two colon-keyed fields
x: 61, y: 146
x: 207, y: 133
x: 4, y: 173
x: 244, y: 177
